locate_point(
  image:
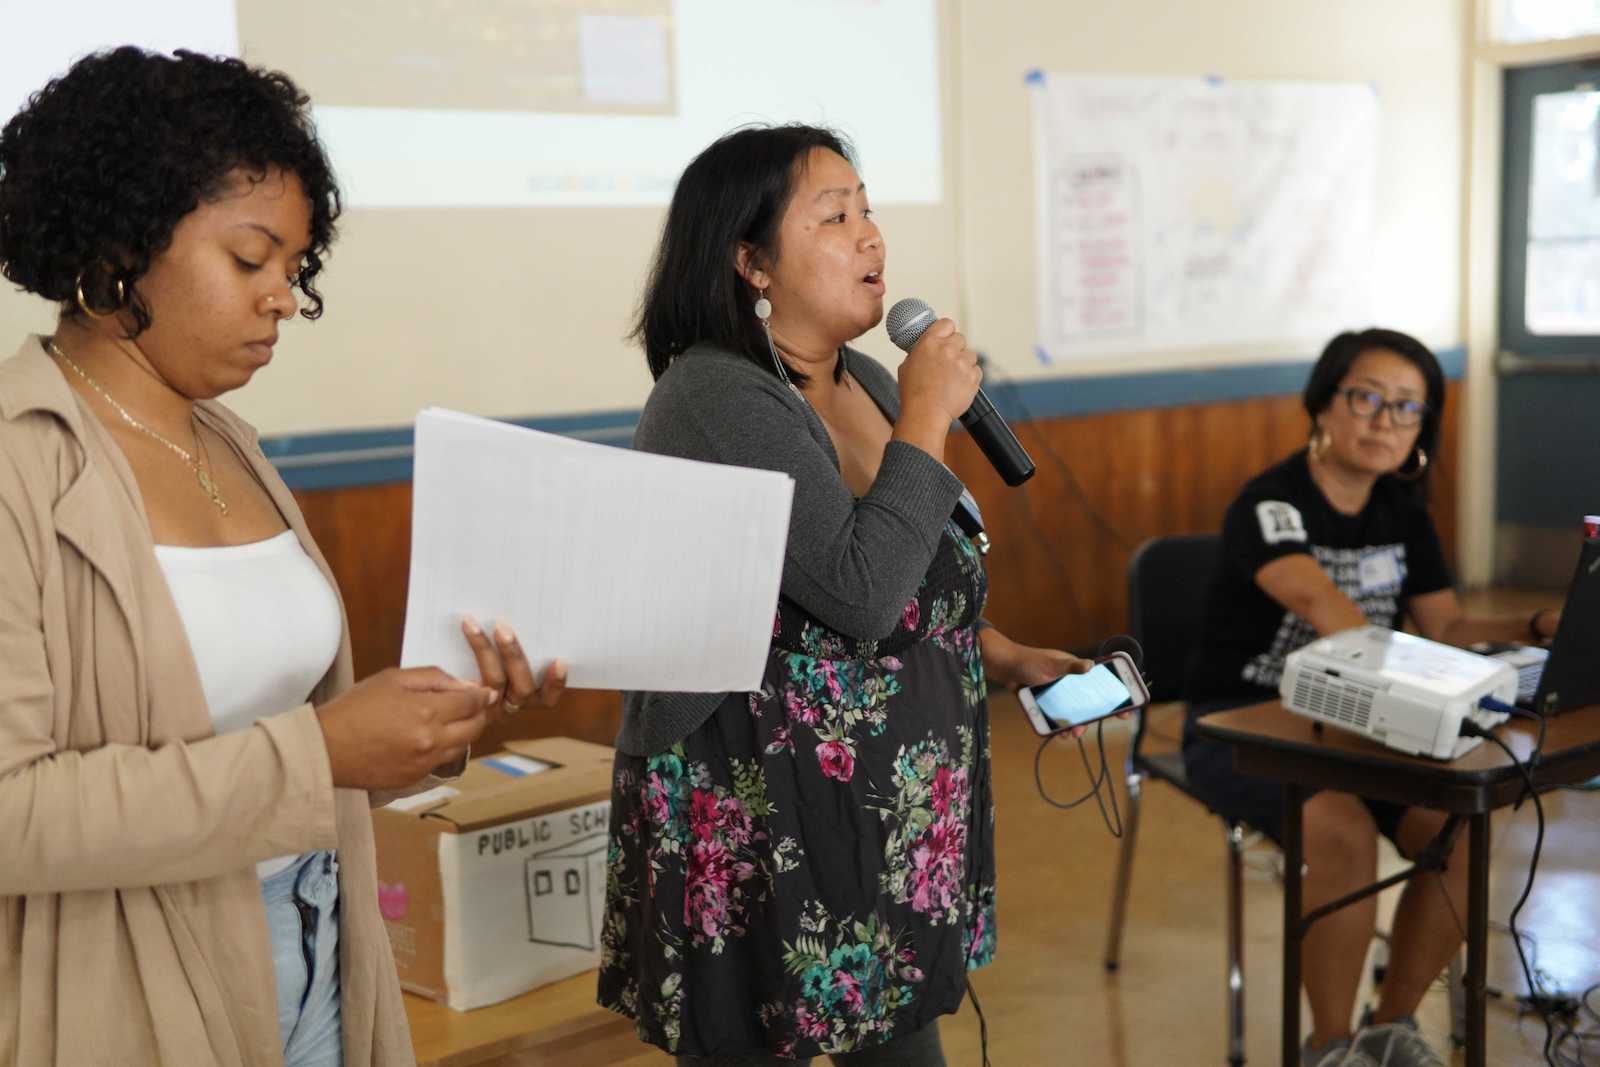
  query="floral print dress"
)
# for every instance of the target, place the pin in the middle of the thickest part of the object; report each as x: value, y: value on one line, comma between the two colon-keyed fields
x: 812, y: 870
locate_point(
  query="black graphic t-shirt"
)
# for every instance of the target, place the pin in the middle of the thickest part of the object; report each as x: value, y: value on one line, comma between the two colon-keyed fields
x: 1379, y: 558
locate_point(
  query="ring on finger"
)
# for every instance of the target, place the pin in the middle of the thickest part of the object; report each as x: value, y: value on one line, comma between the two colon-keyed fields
x: 511, y: 706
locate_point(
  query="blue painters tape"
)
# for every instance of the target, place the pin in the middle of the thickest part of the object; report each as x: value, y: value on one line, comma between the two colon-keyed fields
x: 1033, y: 77
x: 503, y: 767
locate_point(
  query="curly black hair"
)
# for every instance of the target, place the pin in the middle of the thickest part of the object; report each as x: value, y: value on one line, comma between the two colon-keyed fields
x: 100, y: 165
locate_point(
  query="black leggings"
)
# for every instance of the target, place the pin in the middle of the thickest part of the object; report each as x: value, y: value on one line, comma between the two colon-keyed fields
x: 920, y: 1048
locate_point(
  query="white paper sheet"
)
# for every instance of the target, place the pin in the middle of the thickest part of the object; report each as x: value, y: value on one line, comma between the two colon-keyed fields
x: 639, y: 571
x: 1179, y: 213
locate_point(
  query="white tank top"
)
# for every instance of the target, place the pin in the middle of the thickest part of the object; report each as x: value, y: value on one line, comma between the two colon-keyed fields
x: 264, y: 627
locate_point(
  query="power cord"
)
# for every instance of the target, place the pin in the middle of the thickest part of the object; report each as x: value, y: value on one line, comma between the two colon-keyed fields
x: 1109, y: 811
x: 1472, y: 729
x: 983, y: 1024
x: 1014, y: 390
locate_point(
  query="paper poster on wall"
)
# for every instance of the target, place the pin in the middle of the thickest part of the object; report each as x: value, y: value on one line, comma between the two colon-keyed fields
x: 1177, y: 213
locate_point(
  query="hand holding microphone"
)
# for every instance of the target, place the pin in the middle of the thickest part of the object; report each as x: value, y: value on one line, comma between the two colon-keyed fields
x: 944, y: 355
x: 940, y: 375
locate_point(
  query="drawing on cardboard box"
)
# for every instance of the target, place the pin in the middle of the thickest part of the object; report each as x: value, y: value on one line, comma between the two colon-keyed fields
x: 564, y: 892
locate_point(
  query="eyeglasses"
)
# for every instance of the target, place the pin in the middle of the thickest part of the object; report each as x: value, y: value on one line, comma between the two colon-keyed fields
x: 1367, y: 403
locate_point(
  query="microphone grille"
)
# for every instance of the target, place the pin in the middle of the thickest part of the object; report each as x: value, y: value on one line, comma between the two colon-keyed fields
x: 907, y: 321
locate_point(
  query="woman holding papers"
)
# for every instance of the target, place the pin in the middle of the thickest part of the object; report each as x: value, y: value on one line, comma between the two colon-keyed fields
x: 1336, y: 536
x: 188, y: 862
x: 809, y: 869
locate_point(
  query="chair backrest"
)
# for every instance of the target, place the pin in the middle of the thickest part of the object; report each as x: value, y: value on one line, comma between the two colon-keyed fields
x: 1168, y: 579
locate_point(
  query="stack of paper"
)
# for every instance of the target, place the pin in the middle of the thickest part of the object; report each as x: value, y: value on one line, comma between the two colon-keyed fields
x: 639, y: 571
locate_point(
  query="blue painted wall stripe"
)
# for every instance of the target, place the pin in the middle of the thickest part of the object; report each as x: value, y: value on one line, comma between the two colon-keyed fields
x: 369, y: 457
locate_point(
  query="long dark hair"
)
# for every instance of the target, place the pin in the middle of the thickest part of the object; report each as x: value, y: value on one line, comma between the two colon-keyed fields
x: 1342, y: 352
x: 735, y: 192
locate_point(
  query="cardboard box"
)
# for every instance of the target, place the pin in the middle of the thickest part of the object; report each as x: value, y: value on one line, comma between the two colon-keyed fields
x: 495, y: 884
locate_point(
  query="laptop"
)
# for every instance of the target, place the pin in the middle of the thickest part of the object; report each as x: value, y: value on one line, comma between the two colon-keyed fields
x: 1567, y: 675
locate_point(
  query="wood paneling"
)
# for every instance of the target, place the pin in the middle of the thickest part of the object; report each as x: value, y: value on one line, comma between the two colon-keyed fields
x: 1061, y: 543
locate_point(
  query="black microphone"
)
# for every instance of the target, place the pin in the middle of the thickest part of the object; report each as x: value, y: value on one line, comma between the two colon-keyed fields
x: 1122, y: 643
x: 908, y: 320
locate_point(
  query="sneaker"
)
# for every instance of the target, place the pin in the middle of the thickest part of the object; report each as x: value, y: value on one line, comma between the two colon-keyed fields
x: 1397, y: 1045
x: 1334, y: 1054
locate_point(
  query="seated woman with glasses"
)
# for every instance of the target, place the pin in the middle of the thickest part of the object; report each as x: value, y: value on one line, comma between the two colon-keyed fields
x: 1336, y: 536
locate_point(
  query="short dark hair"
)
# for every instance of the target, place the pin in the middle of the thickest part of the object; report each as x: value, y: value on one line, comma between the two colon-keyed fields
x: 1342, y: 352
x: 100, y: 165
x: 734, y: 192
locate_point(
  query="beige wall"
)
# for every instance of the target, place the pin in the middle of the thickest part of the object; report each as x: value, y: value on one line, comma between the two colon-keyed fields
x: 522, y: 312
x: 1411, y: 51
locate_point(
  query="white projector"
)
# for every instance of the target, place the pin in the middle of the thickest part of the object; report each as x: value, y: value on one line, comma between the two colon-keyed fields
x: 1405, y: 692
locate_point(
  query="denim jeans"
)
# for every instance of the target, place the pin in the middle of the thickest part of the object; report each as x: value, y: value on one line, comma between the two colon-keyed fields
x: 303, y: 919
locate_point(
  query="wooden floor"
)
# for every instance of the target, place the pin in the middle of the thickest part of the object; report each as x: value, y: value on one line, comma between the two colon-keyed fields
x: 1047, y: 997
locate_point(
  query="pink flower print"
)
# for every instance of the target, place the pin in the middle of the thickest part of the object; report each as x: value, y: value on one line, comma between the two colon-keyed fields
x: 830, y: 677
x: 780, y: 740
x: 734, y: 822
x: 655, y: 800
x: 837, y: 760
x: 850, y: 990
x: 935, y: 864
x: 976, y: 931
x: 703, y: 814
x: 797, y: 708
x: 943, y: 791
x: 706, y: 888
x: 912, y: 614
x: 808, y: 1024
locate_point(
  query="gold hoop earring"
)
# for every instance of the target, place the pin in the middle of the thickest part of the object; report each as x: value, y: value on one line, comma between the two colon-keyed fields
x: 83, y: 303
x: 1421, y: 468
x: 1317, y: 446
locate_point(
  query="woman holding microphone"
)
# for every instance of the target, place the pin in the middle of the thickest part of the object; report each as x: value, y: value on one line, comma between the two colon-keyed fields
x: 187, y: 871
x: 809, y: 869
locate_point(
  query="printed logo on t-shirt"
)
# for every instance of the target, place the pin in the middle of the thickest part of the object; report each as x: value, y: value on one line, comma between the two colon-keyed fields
x: 1280, y: 521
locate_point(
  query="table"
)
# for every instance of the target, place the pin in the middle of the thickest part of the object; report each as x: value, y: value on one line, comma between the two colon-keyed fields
x: 1272, y: 742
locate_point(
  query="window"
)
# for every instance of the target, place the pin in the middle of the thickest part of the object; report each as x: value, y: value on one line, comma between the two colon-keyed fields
x: 1547, y: 20
x: 1550, y: 285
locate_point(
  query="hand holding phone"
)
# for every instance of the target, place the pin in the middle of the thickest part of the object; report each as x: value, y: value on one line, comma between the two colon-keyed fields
x: 1112, y: 686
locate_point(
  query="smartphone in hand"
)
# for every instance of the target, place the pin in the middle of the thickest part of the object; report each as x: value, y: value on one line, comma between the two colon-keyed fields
x: 1111, y: 686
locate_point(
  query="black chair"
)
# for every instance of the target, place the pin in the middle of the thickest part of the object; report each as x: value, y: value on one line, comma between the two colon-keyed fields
x: 1168, y: 581
x: 1168, y: 578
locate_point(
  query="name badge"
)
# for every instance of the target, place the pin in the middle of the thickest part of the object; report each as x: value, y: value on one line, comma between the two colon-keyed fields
x: 1381, y: 572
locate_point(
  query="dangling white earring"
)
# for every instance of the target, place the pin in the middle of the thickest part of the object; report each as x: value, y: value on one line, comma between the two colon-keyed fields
x: 763, y: 311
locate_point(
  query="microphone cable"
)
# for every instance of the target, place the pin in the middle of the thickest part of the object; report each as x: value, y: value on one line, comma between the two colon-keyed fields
x: 1109, y: 811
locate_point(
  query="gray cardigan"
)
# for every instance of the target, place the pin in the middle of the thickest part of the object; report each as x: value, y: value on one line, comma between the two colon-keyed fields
x: 852, y: 564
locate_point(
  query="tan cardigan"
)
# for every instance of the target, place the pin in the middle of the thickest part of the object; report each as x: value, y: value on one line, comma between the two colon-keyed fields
x: 131, y: 924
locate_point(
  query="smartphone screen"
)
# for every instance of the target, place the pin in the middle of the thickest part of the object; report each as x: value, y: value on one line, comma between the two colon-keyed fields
x: 1079, y: 698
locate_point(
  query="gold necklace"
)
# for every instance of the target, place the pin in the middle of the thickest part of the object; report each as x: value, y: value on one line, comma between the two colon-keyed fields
x: 208, y: 484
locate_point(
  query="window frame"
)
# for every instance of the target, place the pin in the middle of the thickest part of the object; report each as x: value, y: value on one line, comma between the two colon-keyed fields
x: 1522, y: 86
